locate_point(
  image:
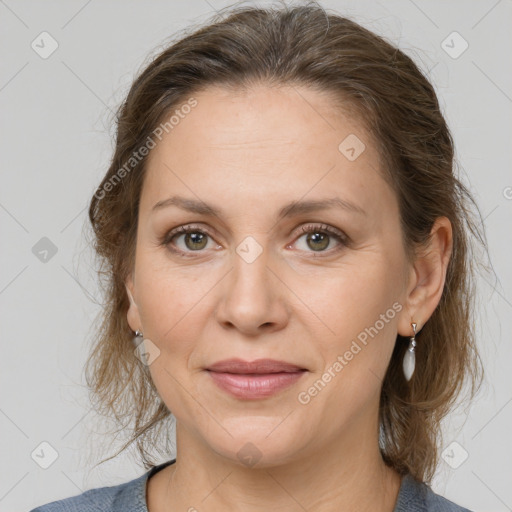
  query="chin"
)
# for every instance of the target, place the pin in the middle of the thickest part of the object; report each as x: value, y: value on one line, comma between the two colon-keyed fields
x: 258, y: 441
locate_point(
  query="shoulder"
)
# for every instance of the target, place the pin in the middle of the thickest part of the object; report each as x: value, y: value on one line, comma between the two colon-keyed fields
x: 127, y: 496
x: 417, y: 496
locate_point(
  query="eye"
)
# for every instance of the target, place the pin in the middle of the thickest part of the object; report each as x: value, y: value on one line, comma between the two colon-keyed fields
x: 194, y: 240
x: 319, y: 237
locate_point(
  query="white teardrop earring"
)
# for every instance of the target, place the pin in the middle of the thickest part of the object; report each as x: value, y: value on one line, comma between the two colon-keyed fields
x: 410, y: 356
x: 137, y: 338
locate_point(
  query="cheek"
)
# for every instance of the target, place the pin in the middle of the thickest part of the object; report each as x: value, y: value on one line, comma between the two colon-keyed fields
x: 172, y: 308
x: 352, y: 298
x: 166, y: 291
x: 168, y: 300
x: 360, y: 307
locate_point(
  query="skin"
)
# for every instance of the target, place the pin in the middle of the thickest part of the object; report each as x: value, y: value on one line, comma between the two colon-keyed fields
x: 250, y: 153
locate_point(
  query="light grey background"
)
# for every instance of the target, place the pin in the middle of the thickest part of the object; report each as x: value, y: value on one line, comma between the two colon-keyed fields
x: 56, y: 130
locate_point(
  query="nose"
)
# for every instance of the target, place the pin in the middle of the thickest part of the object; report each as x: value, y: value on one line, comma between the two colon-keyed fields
x: 253, y: 298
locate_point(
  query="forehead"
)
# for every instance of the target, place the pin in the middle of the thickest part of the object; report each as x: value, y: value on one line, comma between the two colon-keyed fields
x: 265, y: 115
x: 267, y: 142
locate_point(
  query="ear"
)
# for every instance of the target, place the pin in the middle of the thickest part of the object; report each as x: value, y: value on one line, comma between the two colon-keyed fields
x: 427, y: 278
x: 132, y: 314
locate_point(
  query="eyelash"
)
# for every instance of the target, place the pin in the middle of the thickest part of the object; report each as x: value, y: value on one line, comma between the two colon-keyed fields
x: 309, y: 228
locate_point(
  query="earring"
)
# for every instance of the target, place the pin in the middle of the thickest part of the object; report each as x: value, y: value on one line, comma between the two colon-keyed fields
x: 410, y: 356
x: 137, y: 338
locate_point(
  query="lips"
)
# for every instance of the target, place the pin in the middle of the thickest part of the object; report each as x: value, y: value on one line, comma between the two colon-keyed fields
x: 259, y: 366
x: 250, y: 380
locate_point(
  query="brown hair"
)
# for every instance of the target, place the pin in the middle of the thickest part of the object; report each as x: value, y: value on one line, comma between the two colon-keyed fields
x: 302, y: 45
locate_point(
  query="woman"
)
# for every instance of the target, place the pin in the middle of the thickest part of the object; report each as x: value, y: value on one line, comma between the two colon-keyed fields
x: 283, y: 231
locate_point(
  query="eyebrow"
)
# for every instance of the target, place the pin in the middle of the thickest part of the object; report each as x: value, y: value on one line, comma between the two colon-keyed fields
x: 291, y: 209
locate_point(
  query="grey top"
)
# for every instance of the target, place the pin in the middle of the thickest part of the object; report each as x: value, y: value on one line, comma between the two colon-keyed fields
x: 131, y: 497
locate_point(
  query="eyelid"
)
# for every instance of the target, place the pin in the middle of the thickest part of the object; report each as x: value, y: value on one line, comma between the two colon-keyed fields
x: 320, y: 226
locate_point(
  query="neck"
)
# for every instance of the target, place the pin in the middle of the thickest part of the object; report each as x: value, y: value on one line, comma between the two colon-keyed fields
x: 347, y: 475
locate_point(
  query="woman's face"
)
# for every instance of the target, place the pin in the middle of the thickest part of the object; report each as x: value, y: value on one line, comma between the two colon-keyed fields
x: 248, y: 283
